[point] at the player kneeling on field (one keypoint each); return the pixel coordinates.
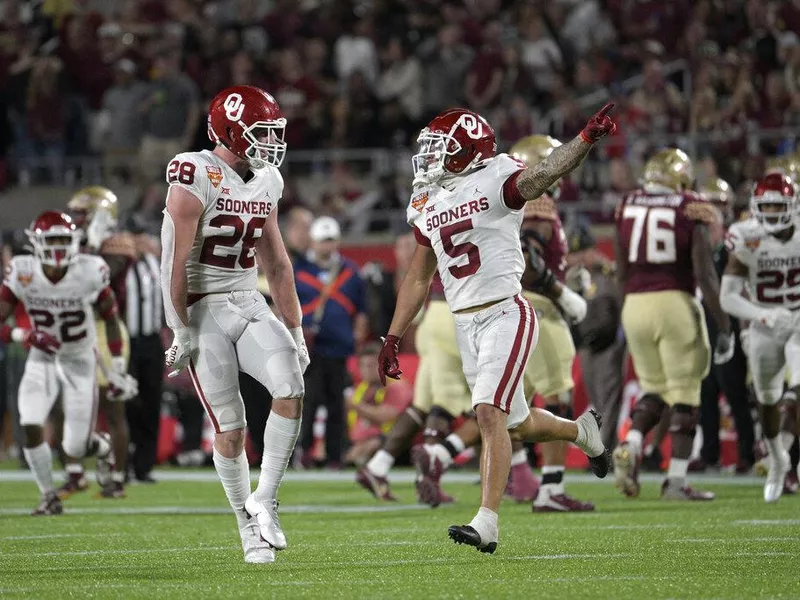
(59, 289)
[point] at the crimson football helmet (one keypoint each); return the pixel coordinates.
(55, 238)
(453, 143)
(248, 122)
(774, 190)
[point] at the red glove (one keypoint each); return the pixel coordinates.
(388, 365)
(41, 340)
(599, 126)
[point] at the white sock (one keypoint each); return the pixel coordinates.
(456, 442)
(118, 477)
(787, 439)
(634, 440)
(678, 467)
(280, 436)
(234, 474)
(40, 460)
(74, 468)
(774, 445)
(380, 464)
(520, 457)
(441, 453)
(485, 523)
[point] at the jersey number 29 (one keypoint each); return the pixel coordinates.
(657, 225)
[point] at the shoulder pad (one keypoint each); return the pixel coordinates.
(701, 211)
(541, 208)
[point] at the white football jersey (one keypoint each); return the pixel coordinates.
(223, 256)
(474, 234)
(773, 265)
(64, 309)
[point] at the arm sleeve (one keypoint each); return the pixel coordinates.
(420, 237)
(732, 301)
(167, 254)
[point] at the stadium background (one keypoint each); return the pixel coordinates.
(356, 80)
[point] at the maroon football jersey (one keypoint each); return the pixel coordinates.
(556, 248)
(655, 239)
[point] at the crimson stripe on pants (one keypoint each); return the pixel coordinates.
(526, 307)
(196, 382)
(512, 359)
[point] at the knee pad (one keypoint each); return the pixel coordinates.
(74, 448)
(651, 404)
(290, 389)
(683, 420)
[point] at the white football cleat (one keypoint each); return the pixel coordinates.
(256, 550)
(267, 516)
(778, 467)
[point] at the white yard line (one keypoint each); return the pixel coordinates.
(768, 522)
(127, 551)
(399, 476)
(58, 535)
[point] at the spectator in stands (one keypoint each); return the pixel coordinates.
(331, 293)
(659, 99)
(485, 77)
(298, 96)
(296, 232)
(147, 213)
(400, 79)
(121, 123)
(540, 53)
(355, 52)
(372, 408)
(171, 113)
(445, 60)
(356, 118)
(47, 114)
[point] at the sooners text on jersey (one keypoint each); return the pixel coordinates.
(474, 234)
(773, 265)
(223, 256)
(63, 309)
(655, 237)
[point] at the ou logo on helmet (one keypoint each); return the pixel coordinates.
(472, 125)
(234, 107)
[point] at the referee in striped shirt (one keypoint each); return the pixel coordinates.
(145, 319)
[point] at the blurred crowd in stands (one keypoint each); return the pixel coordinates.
(128, 82)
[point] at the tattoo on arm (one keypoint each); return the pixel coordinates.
(535, 181)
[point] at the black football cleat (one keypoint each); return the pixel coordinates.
(466, 534)
(600, 465)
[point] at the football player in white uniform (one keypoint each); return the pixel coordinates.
(467, 212)
(60, 290)
(221, 215)
(764, 258)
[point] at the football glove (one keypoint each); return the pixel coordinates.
(42, 341)
(573, 305)
(724, 347)
(122, 386)
(388, 365)
(302, 348)
(599, 126)
(179, 354)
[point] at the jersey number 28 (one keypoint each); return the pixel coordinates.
(657, 225)
(247, 235)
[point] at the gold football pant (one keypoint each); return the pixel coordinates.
(440, 378)
(549, 369)
(668, 341)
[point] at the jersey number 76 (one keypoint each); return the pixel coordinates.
(657, 226)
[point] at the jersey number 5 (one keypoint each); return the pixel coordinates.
(247, 235)
(657, 225)
(467, 249)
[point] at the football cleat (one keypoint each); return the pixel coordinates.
(523, 485)
(105, 463)
(112, 490)
(779, 466)
(266, 514)
(466, 534)
(75, 483)
(50, 505)
(256, 550)
(599, 459)
(377, 486)
(429, 473)
(560, 503)
(626, 471)
(684, 492)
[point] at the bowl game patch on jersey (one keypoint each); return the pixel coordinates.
(214, 175)
(419, 201)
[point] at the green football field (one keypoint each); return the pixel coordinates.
(177, 539)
